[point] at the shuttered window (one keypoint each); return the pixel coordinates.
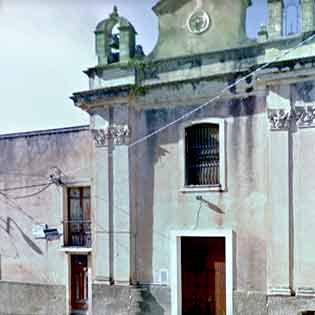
(202, 155)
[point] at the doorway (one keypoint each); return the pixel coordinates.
(203, 276)
(79, 295)
(202, 264)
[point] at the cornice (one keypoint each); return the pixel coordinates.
(102, 97)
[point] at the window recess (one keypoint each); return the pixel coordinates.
(77, 225)
(202, 155)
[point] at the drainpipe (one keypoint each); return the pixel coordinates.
(291, 130)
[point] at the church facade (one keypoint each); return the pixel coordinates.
(191, 192)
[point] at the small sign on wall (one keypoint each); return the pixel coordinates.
(163, 276)
(38, 231)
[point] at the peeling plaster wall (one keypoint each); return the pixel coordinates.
(162, 206)
(26, 160)
(303, 94)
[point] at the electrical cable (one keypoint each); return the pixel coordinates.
(23, 187)
(11, 203)
(198, 216)
(33, 194)
(54, 178)
(183, 117)
(22, 174)
(186, 115)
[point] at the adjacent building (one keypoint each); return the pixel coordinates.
(191, 192)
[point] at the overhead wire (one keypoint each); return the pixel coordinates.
(33, 194)
(23, 187)
(11, 203)
(11, 200)
(227, 88)
(150, 135)
(7, 173)
(54, 178)
(189, 113)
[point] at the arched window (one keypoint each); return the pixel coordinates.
(202, 155)
(292, 17)
(114, 45)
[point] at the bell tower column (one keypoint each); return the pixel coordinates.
(308, 19)
(275, 13)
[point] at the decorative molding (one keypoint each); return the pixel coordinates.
(283, 291)
(118, 134)
(199, 22)
(279, 119)
(310, 292)
(305, 117)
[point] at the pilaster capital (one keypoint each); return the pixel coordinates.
(305, 117)
(117, 134)
(279, 119)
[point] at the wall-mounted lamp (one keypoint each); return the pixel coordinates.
(52, 234)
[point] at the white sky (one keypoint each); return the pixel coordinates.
(45, 45)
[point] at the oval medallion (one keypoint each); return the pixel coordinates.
(198, 22)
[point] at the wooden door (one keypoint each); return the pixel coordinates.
(79, 284)
(203, 276)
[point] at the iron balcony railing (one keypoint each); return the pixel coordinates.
(78, 233)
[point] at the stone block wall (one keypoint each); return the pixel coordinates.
(123, 300)
(32, 299)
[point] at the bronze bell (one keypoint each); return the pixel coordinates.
(114, 42)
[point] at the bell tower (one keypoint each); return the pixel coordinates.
(115, 39)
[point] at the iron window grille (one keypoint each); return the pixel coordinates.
(202, 155)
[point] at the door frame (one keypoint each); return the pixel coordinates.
(89, 266)
(176, 268)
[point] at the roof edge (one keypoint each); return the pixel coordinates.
(169, 6)
(44, 132)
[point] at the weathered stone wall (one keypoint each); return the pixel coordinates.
(246, 303)
(32, 299)
(154, 300)
(290, 305)
(113, 300)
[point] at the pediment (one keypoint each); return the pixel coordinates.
(168, 6)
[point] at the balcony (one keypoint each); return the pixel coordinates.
(77, 233)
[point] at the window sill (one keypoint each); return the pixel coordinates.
(75, 250)
(197, 189)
